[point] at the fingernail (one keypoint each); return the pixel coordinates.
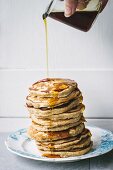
(68, 12)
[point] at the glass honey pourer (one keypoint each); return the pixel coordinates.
(82, 19)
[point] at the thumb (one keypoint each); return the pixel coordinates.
(70, 7)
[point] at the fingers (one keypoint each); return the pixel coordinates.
(70, 7)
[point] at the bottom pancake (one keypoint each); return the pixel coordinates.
(63, 154)
(77, 141)
(83, 143)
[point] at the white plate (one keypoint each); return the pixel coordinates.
(18, 143)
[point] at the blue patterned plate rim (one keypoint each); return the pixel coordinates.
(105, 146)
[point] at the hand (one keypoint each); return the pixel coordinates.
(71, 5)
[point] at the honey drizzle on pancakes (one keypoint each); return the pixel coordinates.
(52, 102)
(57, 88)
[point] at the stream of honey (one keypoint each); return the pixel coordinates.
(46, 36)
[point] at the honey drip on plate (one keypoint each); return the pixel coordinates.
(46, 36)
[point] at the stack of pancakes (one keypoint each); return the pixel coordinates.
(56, 109)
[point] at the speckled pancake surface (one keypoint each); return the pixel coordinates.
(81, 144)
(56, 110)
(56, 123)
(63, 154)
(58, 128)
(50, 102)
(66, 139)
(51, 86)
(77, 141)
(55, 135)
(72, 113)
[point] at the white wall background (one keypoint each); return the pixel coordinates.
(85, 57)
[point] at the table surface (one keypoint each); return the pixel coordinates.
(9, 161)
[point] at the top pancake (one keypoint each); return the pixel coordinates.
(50, 102)
(51, 87)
